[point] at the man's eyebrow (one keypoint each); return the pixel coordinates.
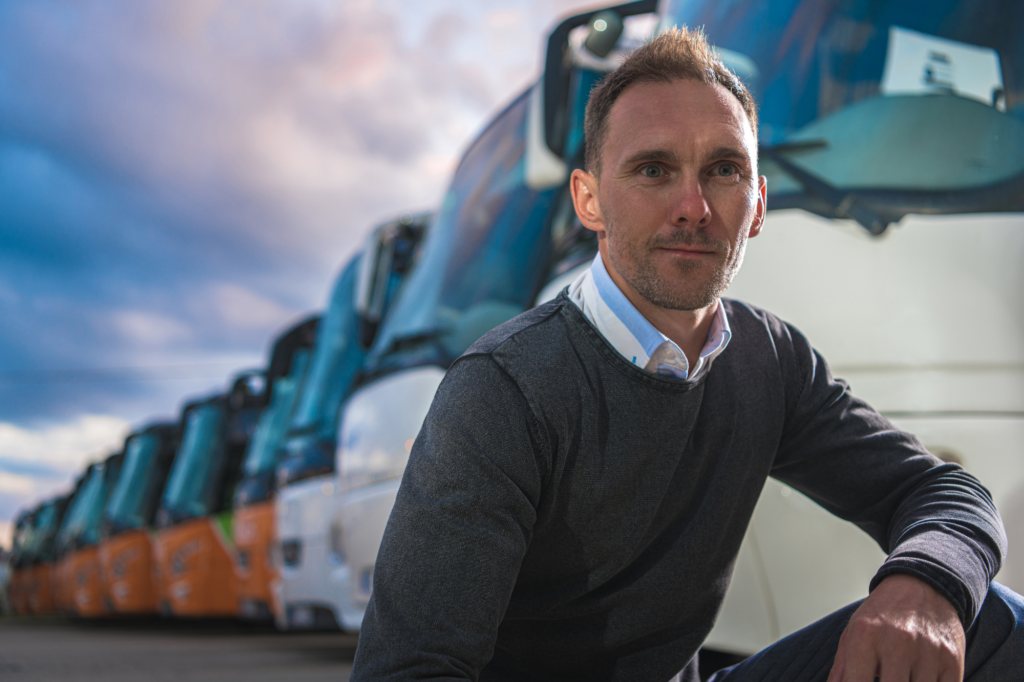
(650, 155)
(727, 153)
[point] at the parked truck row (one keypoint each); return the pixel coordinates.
(892, 137)
(181, 521)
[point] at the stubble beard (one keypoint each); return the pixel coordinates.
(690, 288)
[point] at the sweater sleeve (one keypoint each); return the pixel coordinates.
(933, 519)
(460, 526)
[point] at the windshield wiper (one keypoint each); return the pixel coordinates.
(844, 204)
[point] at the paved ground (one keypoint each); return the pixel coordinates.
(45, 649)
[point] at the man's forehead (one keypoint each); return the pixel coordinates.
(678, 107)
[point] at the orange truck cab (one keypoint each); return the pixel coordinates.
(78, 573)
(41, 555)
(5, 582)
(126, 551)
(16, 587)
(192, 549)
(254, 495)
(61, 588)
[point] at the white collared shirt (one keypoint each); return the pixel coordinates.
(633, 336)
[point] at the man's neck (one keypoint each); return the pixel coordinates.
(688, 329)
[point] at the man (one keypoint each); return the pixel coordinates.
(576, 499)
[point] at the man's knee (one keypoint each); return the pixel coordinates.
(995, 641)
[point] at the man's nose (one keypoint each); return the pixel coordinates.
(691, 207)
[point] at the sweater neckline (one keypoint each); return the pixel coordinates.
(576, 317)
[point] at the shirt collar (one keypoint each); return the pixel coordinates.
(631, 334)
(645, 332)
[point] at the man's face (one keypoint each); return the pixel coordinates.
(678, 193)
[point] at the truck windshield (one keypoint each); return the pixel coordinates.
(44, 532)
(273, 422)
(482, 259)
(29, 539)
(902, 106)
(21, 538)
(337, 356)
(82, 525)
(128, 506)
(190, 486)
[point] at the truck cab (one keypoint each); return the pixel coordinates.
(314, 576)
(254, 496)
(192, 549)
(129, 519)
(891, 139)
(79, 573)
(19, 564)
(41, 553)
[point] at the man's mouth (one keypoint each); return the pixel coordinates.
(688, 250)
(688, 244)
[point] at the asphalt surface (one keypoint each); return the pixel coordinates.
(45, 649)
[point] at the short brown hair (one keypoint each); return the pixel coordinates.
(676, 54)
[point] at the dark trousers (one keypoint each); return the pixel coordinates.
(995, 647)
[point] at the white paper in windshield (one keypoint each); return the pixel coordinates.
(920, 64)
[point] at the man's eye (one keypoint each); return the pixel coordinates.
(652, 172)
(726, 170)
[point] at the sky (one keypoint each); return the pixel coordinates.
(180, 181)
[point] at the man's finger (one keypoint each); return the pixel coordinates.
(897, 669)
(838, 666)
(952, 675)
(860, 668)
(856, 657)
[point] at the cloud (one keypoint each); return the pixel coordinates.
(13, 484)
(148, 328)
(241, 308)
(68, 446)
(37, 463)
(179, 180)
(503, 19)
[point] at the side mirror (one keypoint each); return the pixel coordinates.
(557, 69)
(388, 251)
(248, 387)
(605, 30)
(371, 281)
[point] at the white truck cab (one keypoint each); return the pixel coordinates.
(313, 584)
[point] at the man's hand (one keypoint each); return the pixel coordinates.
(903, 631)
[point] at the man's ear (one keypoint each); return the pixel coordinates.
(762, 206)
(584, 199)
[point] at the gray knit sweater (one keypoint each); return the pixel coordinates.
(566, 515)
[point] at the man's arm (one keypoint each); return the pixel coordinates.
(938, 524)
(456, 537)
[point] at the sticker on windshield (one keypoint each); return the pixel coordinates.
(920, 64)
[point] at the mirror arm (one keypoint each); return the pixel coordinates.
(557, 71)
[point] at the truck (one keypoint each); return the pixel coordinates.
(192, 548)
(254, 496)
(40, 553)
(890, 136)
(79, 573)
(19, 563)
(313, 574)
(129, 519)
(61, 588)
